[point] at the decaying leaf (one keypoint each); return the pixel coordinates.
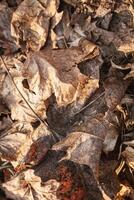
(66, 94)
(26, 145)
(68, 184)
(82, 148)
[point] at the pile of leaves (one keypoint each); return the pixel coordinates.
(66, 99)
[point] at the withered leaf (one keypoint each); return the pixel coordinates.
(128, 155)
(24, 145)
(114, 91)
(6, 40)
(28, 186)
(72, 181)
(76, 181)
(12, 140)
(30, 22)
(62, 107)
(82, 148)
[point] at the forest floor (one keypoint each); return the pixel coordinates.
(66, 100)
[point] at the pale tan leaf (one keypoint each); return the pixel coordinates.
(30, 16)
(27, 186)
(127, 47)
(12, 140)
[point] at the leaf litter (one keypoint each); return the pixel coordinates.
(66, 99)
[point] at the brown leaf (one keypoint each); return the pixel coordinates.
(46, 73)
(23, 145)
(82, 148)
(128, 155)
(76, 182)
(27, 186)
(114, 91)
(72, 182)
(30, 16)
(12, 140)
(6, 40)
(43, 140)
(127, 47)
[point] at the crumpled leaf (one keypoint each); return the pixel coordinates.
(68, 184)
(30, 16)
(127, 47)
(128, 155)
(6, 40)
(125, 192)
(63, 108)
(12, 140)
(46, 73)
(114, 91)
(23, 145)
(27, 186)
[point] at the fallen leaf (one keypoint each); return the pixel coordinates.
(6, 40)
(114, 91)
(128, 155)
(27, 186)
(30, 16)
(12, 140)
(82, 148)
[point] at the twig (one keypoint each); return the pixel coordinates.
(9, 74)
(89, 104)
(24, 99)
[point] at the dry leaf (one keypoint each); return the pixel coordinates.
(114, 91)
(42, 141)
(127, 47)
(76, 89)
(69, 185)
(27, 186)
(128, 155)
(76, 181)
(12, 140)
(24, 145)
(30, 22)
(6, 40)
(82, 148)
(125, 192)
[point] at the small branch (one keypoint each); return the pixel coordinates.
(24, 99)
